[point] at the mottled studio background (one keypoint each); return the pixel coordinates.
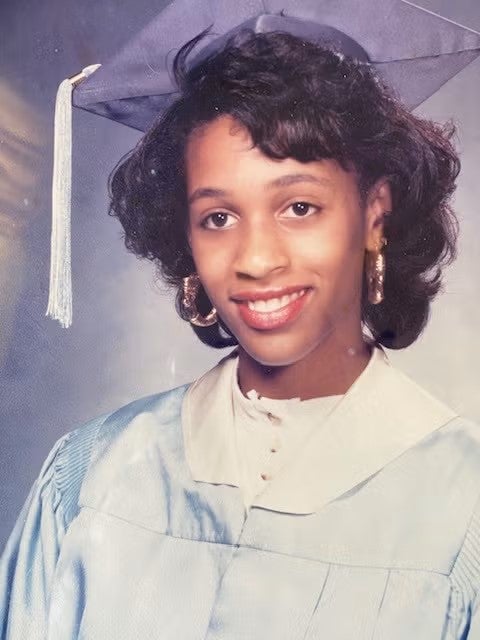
(126, 340)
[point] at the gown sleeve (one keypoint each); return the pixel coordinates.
(474, 630)
(30, 556)
(466, 580)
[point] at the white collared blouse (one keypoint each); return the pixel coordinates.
(267, 432)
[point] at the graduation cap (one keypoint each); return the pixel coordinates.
(413, 50)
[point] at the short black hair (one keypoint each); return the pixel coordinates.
(300, 100)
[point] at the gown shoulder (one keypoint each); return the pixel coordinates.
(28, 561)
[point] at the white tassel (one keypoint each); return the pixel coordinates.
(60, 294)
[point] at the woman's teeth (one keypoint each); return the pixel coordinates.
(265, 306)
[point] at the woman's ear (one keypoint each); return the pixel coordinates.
(378, 204)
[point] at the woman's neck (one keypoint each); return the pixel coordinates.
(330, 369)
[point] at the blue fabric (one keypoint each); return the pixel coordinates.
(117, 541)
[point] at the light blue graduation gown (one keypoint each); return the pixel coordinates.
(121, 539)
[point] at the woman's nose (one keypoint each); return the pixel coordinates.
(260, 251)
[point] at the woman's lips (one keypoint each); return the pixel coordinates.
(275, 318)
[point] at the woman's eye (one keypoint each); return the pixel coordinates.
(301, 209)
(217, 220)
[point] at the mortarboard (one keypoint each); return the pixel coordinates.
(412, 49)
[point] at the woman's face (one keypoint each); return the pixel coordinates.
(278, 244)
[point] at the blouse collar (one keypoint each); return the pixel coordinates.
(382, 414)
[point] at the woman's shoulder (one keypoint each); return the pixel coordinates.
(451, 440)
(458, 438)
(462, 434)
(77, 450)
(444, 469)
(54, 501)
(458, 445)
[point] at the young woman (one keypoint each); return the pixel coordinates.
(303, 488)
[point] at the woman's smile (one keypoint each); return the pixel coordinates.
(266, 313)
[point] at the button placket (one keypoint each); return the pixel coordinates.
(272, 425)
(271, 460)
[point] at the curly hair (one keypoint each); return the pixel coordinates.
(336, 108)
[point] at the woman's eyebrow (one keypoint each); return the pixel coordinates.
(292, 178)
(206, 192)
(282, 181)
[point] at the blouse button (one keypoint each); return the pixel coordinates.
(265, 476)
(272, 418)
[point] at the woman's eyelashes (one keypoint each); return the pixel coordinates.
(224, 220)
(301, 209)
(217, 220)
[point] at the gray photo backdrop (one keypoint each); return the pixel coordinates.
(126, 340)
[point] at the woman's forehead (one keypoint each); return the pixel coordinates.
(223, 150)
(219, 162)
(222, 130)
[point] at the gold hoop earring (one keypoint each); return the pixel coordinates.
(375, 273)
(191, 285)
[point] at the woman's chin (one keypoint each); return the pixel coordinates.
(277, 352)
